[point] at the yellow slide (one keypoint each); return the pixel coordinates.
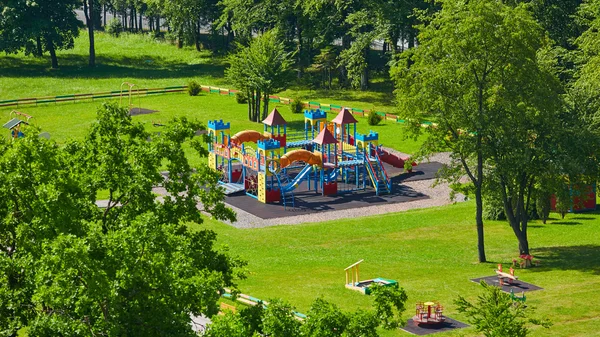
(300, 155)
(247, 136)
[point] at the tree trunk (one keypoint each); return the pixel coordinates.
(88, 9)
(52, 51)
(38, 44)
(364, 77)
(265, 107)
(141, 23)
(479, 223)
(197, 35)
(300, 50)
(257, 108)
(250, 105)
(180, 40)
(104, 16)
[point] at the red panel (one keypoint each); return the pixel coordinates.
(330, 188)
(273, 196)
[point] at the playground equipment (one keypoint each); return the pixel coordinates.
(129, 93)
(433, 315)
(505, 277)
(15, 124)
(252, 301)
(353, 280)
(331, 157)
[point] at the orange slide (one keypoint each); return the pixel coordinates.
(247, 136)
(300, 155)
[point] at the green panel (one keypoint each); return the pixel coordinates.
(66, 96)
(9, 101)
(335, 106)
(177, 87)
(46, 101)
(314, 103)
(272, 100)
(380, 113)
(400, 121)
(215, 91)
(102, 96)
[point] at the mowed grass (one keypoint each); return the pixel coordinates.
(71, 120)
(134, 58)
(432, 253)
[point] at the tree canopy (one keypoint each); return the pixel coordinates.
(134, 267)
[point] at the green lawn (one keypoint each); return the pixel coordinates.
(432, 253)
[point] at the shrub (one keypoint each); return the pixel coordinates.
(296, 105)
(374, 118)
(241, 97)
(114, 27)
(194, 88)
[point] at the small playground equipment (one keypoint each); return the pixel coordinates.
(128, 89)
(353, 280)
(516, 298)
(15, 124)
(434, 314)
(505, 277)
(331, 157)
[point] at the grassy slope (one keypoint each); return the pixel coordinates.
(432, 253)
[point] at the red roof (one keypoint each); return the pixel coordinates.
(325, 137)
(344, 117)
(274, 119)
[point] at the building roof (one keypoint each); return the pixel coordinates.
(274, 119)
(344, 117)
(325, 137)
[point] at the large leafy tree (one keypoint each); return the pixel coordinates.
(134, 267)
(476, 72)
(260, 70)
(38, 26)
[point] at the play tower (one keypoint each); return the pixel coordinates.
(328, 158)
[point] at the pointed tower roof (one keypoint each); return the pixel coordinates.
(274, 119)
(325, 137)
(344, 117)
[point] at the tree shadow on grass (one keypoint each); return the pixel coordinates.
(566, 223)
(140, 66)
(581, 258)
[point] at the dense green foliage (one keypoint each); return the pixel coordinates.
(260, 70)
(72, 268)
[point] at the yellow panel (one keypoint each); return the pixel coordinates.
(262, 188)
(212, 161)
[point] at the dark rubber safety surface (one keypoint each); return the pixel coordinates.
(422, 329)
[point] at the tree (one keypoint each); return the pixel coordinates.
(279, 320)
(495, 314)
(389, 303)
(260, 70)
(88, 10)
(324, 320)
(133, 268)
(38, 26)
(468, 73)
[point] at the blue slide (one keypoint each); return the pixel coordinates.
(331, 176)
(297, 180)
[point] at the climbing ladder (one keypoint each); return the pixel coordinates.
(287, 197)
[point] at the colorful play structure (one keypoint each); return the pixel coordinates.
(353, 281)
(16, 123)
(330, 157)
(434, 314)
